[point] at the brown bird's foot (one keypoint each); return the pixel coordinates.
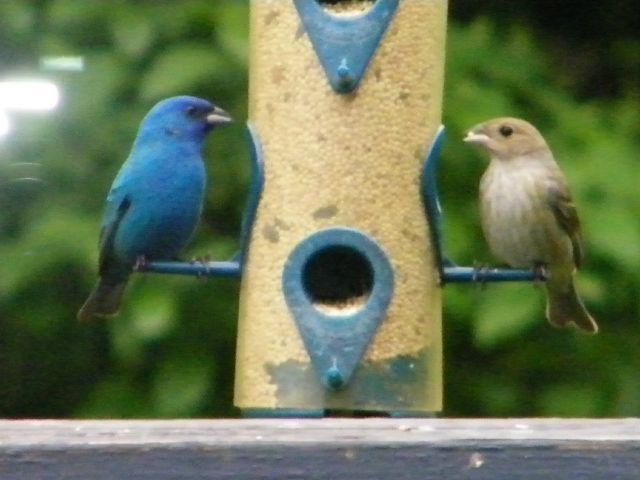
(141, 264)
(541, 273)
(480, 274)
(204, 261)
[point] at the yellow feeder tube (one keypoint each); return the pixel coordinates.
(343, 160)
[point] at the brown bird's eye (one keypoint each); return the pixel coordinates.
(506, 131)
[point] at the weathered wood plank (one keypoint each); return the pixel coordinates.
(546, 449)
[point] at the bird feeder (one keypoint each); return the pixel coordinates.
(341, 265)
(340, 299)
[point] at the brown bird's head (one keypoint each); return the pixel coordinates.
(507, 138)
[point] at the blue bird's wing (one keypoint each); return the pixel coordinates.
(118, 203)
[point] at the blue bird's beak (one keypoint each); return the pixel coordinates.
(218, 116)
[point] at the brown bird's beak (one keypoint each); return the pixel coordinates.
(218, 116)
(476, 136)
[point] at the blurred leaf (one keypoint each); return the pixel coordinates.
(181, 383)
(616, 233)
(232, 29)
(80, 20)
(49, 239)
(500, 320)
(153, 315)
(571, 400)
(177, 70)
(17, 20)
(133, 30)
(114, 397)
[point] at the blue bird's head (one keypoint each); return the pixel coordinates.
(183, 118)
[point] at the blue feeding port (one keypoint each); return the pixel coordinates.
(338, 284)
(345, 46)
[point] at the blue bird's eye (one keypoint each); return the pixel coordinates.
(192, 111)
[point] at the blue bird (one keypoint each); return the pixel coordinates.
(156, 199)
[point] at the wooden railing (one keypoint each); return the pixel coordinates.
(349, 449)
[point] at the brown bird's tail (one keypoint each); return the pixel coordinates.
(564, 308)
(104, 300)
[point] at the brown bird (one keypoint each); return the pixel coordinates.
(528, 217)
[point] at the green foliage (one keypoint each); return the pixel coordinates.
(171, 351)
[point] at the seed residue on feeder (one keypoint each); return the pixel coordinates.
(325, 212)
(345, 8)
(347, 307)
(270, 232)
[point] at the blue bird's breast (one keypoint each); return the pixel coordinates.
(166, 204)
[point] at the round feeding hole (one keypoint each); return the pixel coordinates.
(338, 280)
(346, 7)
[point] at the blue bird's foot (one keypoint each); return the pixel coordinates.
(480, 271)
(141, 265)
(204, 262)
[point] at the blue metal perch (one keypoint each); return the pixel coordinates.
(456, 274)
(229, 269)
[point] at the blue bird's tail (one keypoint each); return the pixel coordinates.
(103, 301)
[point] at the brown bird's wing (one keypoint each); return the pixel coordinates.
(566, 215)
